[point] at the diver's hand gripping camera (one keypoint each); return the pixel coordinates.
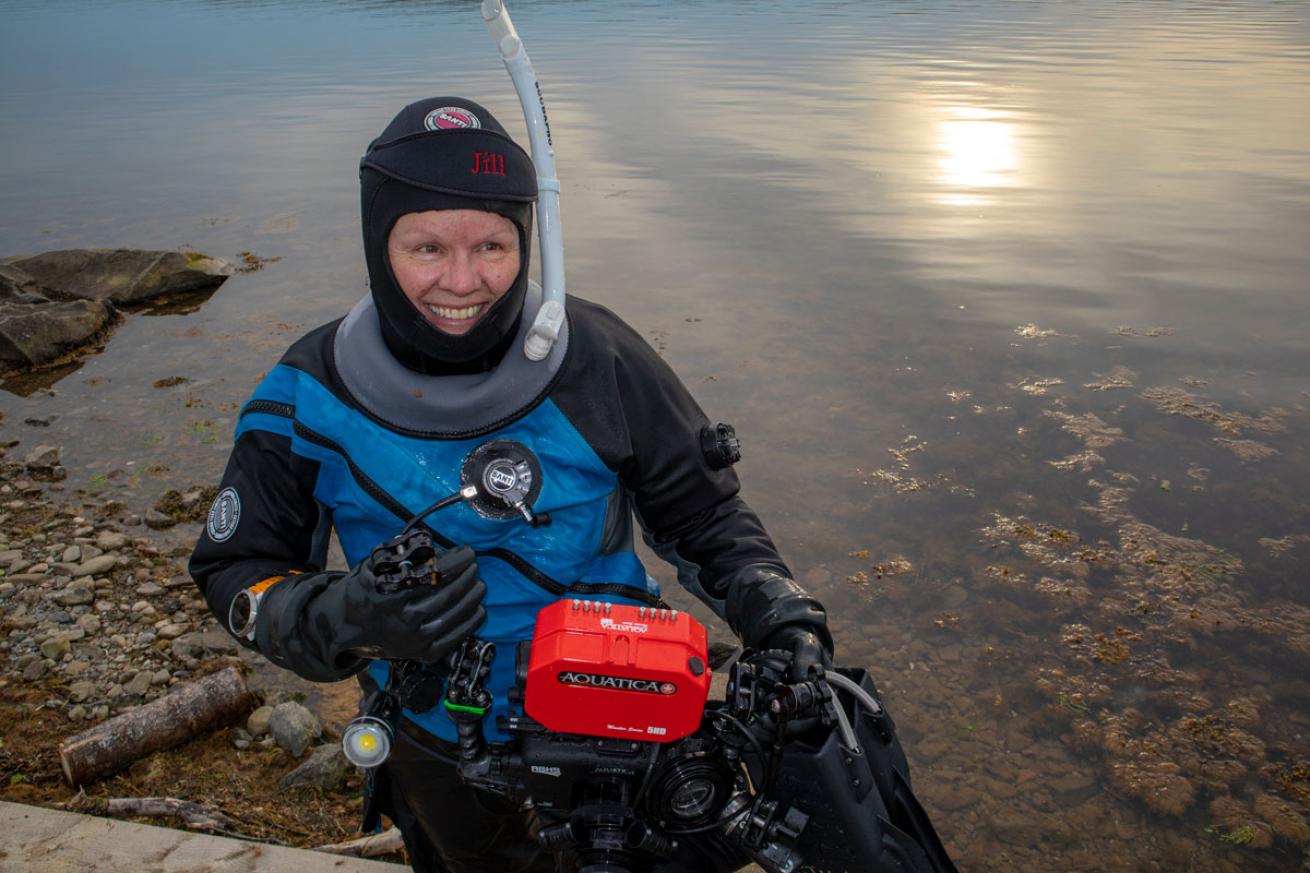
(615, 742)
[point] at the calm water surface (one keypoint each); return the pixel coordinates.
(1008, 301)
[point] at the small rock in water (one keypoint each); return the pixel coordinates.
(80, 691)
(72, 555)
(293, 727)
(34, 671)
(149, 589)
(42, 458)
(110, 540)
(156, 520)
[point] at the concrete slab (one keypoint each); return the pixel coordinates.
(39, 840)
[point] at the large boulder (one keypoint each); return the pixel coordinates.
(123, 276)
(32, 334)
(55, 303)
(17, 286)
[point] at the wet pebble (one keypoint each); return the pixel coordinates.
(156, 520)
(111, 540)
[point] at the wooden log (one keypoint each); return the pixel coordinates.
(367, 847)
(195, 816)
(188, 710)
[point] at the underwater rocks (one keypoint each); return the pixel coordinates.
(54, 304)
(1176, 401)
(1135, 600)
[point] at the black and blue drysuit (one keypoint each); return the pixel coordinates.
(371, 418)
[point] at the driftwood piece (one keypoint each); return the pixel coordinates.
(195, 816)
(189, 709)
(367, 847)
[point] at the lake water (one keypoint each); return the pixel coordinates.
(1008, 302)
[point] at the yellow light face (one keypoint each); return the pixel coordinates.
(366, 742)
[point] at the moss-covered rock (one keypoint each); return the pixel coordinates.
(123, 276)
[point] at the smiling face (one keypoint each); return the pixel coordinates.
(453, 264)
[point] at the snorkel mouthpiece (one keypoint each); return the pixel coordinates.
(550, 318)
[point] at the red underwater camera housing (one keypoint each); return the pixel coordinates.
(613, 670)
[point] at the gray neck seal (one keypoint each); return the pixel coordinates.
(445, 406)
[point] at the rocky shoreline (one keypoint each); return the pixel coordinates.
(97, 616)
(93, 609)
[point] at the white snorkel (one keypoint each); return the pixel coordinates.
(545, 329)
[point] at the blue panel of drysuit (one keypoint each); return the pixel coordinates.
(576, 486)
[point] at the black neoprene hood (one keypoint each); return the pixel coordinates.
(444, 153)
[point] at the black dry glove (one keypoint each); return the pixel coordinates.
(324, 626)
(809, 657)
(771, 611)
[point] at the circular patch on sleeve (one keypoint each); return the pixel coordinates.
(224, 515)
(450, 118)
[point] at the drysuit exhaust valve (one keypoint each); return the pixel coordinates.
(719, 445)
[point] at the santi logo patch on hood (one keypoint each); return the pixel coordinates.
(620, 683)
(451, 118)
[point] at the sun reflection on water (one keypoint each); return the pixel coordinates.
(977, 151)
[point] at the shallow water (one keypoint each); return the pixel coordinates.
(894, 244)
